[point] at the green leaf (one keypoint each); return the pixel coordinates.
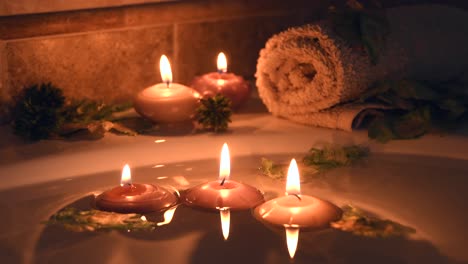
(317, 160)
(333, 157)
(94, 220)
(121, 129)
(41, 112)
(137, 124)
(395, 101)
(87, 111)
(380, 130)
(270, 169)
(413, 124)
(454, 107)
(380, 87)
(360, 223)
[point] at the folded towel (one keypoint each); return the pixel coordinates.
(310, 75)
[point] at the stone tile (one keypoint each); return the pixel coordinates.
(25, 26)
(198, 44)
(109, 66)
(16, 7)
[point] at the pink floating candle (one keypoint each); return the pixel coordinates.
(167, 102)
(295, 211)
(228, 84)
(224, 194)
(135, 197)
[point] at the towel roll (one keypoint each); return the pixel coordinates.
(310, 75)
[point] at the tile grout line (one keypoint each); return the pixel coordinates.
(175, 49)
(150, 25)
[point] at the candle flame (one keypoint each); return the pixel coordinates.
(292, 237)
(225, 215)
(126, 178)
(168, 215)
(165, 69)
(225, 164)
(222, 63)
(293, 185)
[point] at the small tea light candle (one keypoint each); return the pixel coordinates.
(135, 197)
(224, 194)
(295, 211)
(228, 84)
(167, 102)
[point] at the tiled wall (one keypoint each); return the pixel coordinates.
(15, 7)
(109, 65)
(111, 54)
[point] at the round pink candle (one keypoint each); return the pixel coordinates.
(223, 193)
(295, 211)
(228, 84)
(135, 197)
(167, 102)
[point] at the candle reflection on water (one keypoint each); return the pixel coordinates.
(292, 237)
(223, 192)
(225, 215)
(294, 210)
(293, 187)
(224, 173)
(168, 215)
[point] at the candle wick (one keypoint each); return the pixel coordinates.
(168, 84)
(222, 182)
(298, 196)
(129, 185)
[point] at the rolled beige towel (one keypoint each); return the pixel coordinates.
(310, 75)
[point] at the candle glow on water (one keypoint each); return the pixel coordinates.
(295, 211)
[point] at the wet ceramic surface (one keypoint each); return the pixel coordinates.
(426, 193)
(419, 183)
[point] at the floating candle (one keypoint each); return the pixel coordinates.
(295, 211)
(167, 102)
(228, 84)
(223, 193)
(135, 197)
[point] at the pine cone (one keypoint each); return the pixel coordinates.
(214, 113)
